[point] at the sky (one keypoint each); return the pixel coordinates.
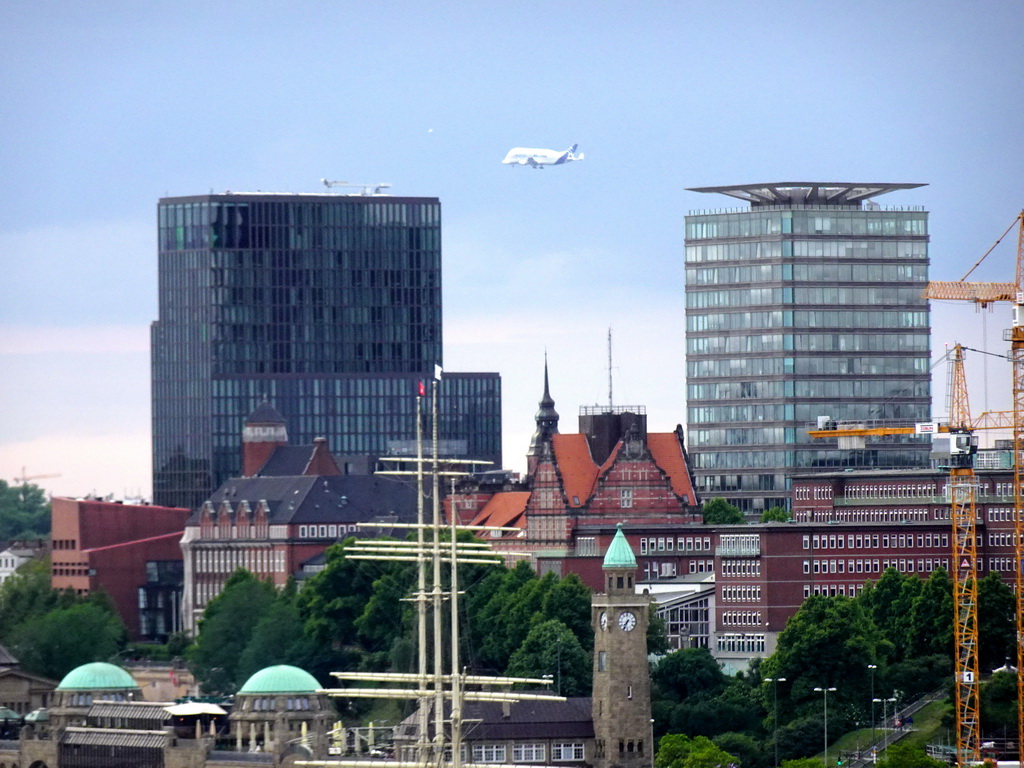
(107, 106)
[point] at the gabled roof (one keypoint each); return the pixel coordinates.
(289, 460)
(319, 498)
(579, 473)
(572, 718)
(265, 413)
(504, 509)
(668, 455)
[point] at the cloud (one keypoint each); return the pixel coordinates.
(116, 463)
(96, 339)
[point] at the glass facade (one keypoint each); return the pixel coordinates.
(327, 305)
(795, 311)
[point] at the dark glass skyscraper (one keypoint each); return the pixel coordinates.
(806, 304)
(327, 305)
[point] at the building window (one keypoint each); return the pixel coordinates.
(567, 751)
(626, 497)
(489, 753)
(528, 753)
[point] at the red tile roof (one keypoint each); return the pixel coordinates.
(579, 473)
(668, 455)
(504, 509)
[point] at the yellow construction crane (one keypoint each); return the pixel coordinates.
(983, 295)
(963, 444)
(26, 478)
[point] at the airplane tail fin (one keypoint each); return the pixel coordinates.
(572, 149)
(572, 153)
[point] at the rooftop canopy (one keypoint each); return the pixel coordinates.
(97, 676)
(280, 679)
(619, 554)
(836, 193)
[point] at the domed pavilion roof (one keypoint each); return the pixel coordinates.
(282, 678)
(97, 676)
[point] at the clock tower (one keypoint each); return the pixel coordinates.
(622, 681)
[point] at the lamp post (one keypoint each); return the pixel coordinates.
(885, 709)
(775, 713)
(874, 739)
(824, 692)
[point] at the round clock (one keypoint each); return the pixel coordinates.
(627, 620)
(604, 621)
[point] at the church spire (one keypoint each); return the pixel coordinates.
(547, 420)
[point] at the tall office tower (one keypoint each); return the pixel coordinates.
(806, 304)
(329, 307)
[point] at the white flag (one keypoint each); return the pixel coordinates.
(437, 371)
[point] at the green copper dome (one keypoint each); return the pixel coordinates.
(281, 679)
(97, 676)
(619, 554)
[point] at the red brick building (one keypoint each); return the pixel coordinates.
(611, 471)
(131, 551)
(292, 504)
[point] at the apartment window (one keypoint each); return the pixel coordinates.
(626, 497)
(567, 751)
(528, 753)
(489, 753)
(643, 546)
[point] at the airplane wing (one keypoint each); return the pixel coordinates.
(531, 161)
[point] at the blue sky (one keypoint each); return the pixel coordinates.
(107, 106)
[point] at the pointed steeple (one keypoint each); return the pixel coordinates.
(547, 420)
(619, 554)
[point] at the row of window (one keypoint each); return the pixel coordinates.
(740, 643)
(842, 388)
(746, 593)
(903, 565)
(741, 567)
(269, 704)
(830, 250)
(741, 618)
(809, 342)
(810, 220)
(325, 531)
(256, 559)
(561, 752)
(668, 543)
(832, 590)
(1001, 539)
(831, 296)
(808, 273)
(873, 541)
(742, 321)
(870, 515)
(896, 365)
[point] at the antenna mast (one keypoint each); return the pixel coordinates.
(611, 402)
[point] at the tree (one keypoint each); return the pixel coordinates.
(53, 643)
(776, 515)
(27, 594)
(907, 756)
(679, 751)
(24, 512)
(568, 601)
(998, 699)
(227, 627)
(691, 672)
(827, 641)
(930, 629)
(273, 640)
(551, 649)
(995, 621)
(721, 512)
(749, 752)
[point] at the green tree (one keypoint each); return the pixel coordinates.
(24, 512)
(273, 640)
(998, 699)
(680, 751)
(930, 629)
(776, 515)
(721, 512)
(51, 644)
(691, 672)
(884, 604)
(226, 629)
(828, 641)
(995, 621)
(907, 756)
(749, 753)
(802, 762)
(551, 648)
(27, 594)
(657, 632)
(568, 601)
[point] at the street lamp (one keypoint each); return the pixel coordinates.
(885, 709)
(824, 692)
(775, 713)
(874, 739)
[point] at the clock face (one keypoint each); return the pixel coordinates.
(604, 621)
(627, 620)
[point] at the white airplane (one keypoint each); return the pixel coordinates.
(538, 158)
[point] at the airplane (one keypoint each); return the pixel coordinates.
(538, 158)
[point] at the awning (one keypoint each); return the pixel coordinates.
(195, 708)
